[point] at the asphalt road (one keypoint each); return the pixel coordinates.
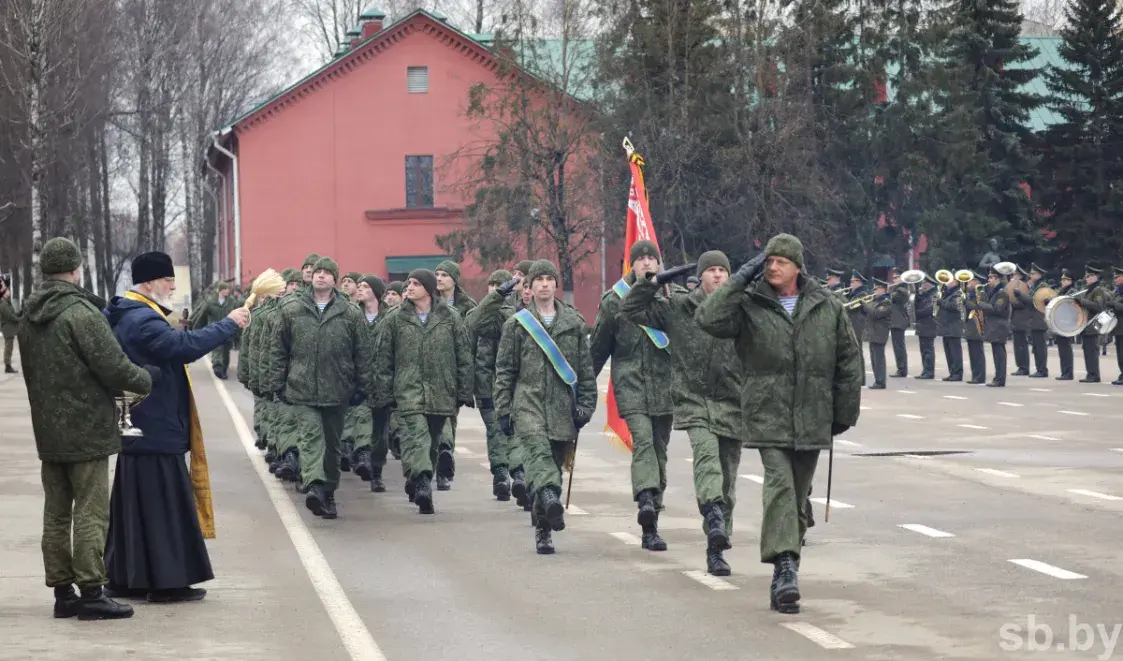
(925, 556)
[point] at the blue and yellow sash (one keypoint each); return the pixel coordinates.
(548, 346)
(658, 337)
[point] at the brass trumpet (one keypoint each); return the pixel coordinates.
(860, 301)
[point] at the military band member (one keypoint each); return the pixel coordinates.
(878, 314)
(834, 279)
(1095, 301)
(949, 322)
(898, 324)
(926, 327)
(706, 393)
(1037, 326)
(449, 291)
(372, 425)
(972, 332)
(641, 378)
(545, 392)
(1064, 344)
(1021, 307)
(800, 388)
(858, 315)
(1117, 307)
(995, 308)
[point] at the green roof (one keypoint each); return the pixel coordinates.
(1048, 55)
(408, 263)
(370, 14)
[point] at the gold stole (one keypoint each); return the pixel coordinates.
(200, 473)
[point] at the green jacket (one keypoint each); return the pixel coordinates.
(485, 328)
(462, 302)
(423, 368)
(707, 375)
(318, 358)
(640, 371)
(528, 388)
(9, 320)
(73, 365)
(211, 310)
(249, 354)
(266, 336)
(802, 372)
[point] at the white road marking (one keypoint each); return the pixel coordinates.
(460, 449)
(1072, 412)
(863, 408)
(966, 426)
(754, 478)
(1043, 438)
(816, 635)
(1011, 404)
(834, 503)
(712, 582)
(1055, 572)
(995, 471)
(1041, 390)
(627, 537)
(690, 459)
(910, 416)
(1097, 394)
(907, 392)
(953, 397)
(914, 456)
(839, 440)
(925, 530)
(352, 631)
(576, 511)
(1117, 449)
(1095, 494)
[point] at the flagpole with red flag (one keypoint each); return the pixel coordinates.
(638, 227)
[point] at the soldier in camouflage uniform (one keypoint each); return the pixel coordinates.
(266, 415)
(216, 309)
(706, 392)
(307, 269)
(485, 327)
(802, 385)
(392, 299)
(321, 365)
(9, 326)
(423, 368)
(350, 283)
(357, 423)
(283, 454)
(449, 291)
(642, 375)
(534, 400)
(371, 441)
(72, 366)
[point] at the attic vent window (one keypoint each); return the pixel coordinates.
(417, 80)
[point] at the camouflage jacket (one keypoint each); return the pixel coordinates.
(73, 365)
(707, 375)
(318, 358)
(528, 388)
(462, 302)
(249, 354)
(211, 310)
(640, 371)
(485, 328)
(9, 320)
(423, 368)
(802, 372)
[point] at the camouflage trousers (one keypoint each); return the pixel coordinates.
(716, 459)
(496, 440)
(357, 431)
(220, 357)
(787, 485)
(650, 436)
(380, 436)
(75, 496)
(262, 411)
(9, 347)
(422, 436)
(282, 428)
(448, 443)
(544, 460)
(319, 430)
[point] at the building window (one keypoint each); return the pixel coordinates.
(417, 80)
(419, 182)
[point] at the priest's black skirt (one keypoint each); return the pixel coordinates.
(155, 542)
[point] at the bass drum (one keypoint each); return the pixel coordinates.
(1065, 317)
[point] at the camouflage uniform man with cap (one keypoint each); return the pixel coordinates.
(449, 291)
(284, 452)
(215, 309)
(350, 283)
(545, 400)
(307, 269)
(423, 369)
(320, 366)
(642, 375)
(357, 424)
(371, 425)
(392, 299)
(801, 387)
(9, 325)
(73, 366)
(1117, 307)
(706, 393)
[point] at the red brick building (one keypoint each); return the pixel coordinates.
(348, 161)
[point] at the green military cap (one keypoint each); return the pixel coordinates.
(310, 260)
(59, 255)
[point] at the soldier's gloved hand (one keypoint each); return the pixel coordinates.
(507, 287)
(581, 417)
(154, 372)
(663, 277)
(752, 268)
(358, 398)
(470, 403)
(506, 425)
(837, 428)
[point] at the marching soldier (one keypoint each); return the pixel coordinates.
(858, 315)
(214, 310)
(371, 425)
(995, 308)
(1117, 307)
(449, 291)
(1036, 323)
(706, 392)
(282, 452)
(949, 322)
(641, 379)
(878, 313)
(1095, 301)
(392, 299)
(1064, 344)
(1021, 306)
(972, 331)
(898, 324)
(926, 327)
(545, 391)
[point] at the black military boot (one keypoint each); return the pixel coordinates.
(345, 450)
(270, 455)
(316, 500)
(542, 540)
(500, 485)
(551, 505)
(95, 605)
(376, 483)
(66, 601)
(362, 464)
(715, 562)
(785, 583)
(518, 486)
(260, 443)
(411, 489)
(445, 469)
(8, 369)
(715, 526)
(651, 539)
(290, 466)
(329, 504)
(423, 494)
(647, 513)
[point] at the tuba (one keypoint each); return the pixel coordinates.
(125, 401)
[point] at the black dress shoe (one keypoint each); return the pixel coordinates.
(1039, 374)
(925, 377)
(996, 384)
(1090, 379)
(176, 595)
(976, 382)
(1064, 377)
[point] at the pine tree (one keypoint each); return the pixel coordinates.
(1083, 164)
(983, 147)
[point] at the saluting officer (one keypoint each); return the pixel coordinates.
(1117, 307)
(926, 327)
(1064, 344)
(1021, 307)
(949, 321)
(995, 308)
(1095, 300)
(878, 315)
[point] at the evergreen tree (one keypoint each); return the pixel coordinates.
(1083, 164)
(982, 140)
